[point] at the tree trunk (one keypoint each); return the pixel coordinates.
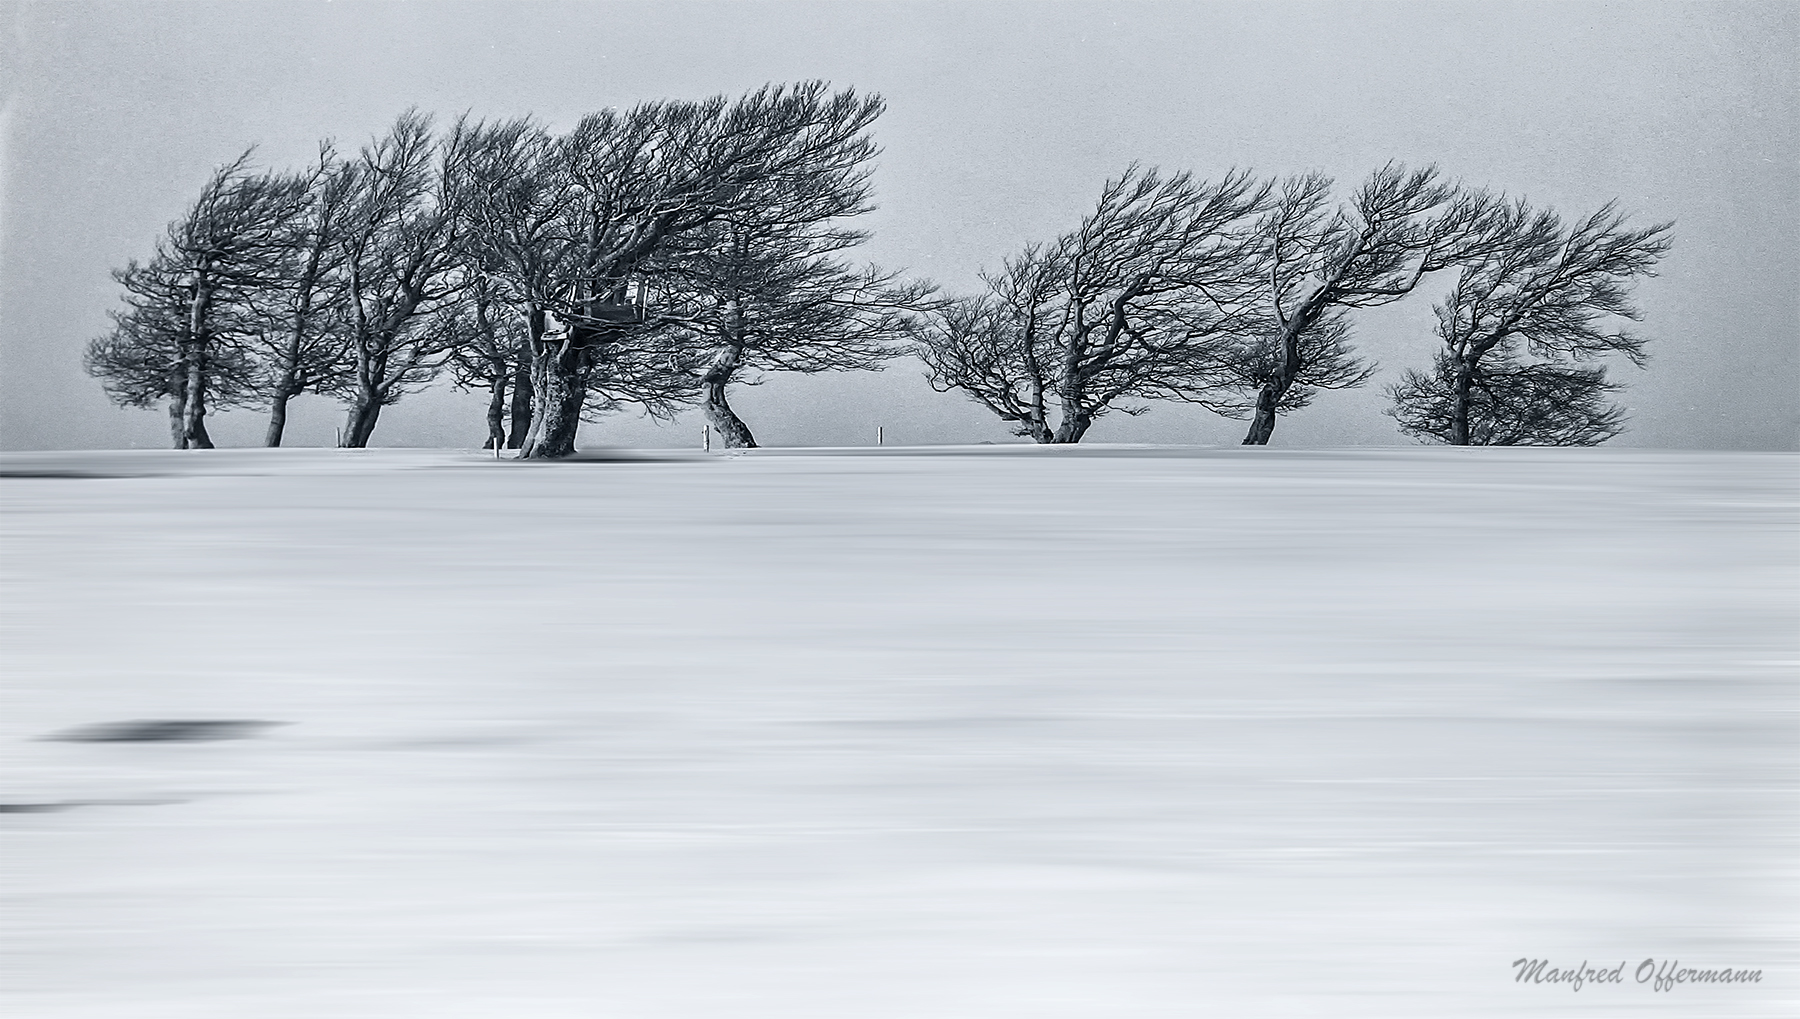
(732, 430)
(1034, 422)
(1262, 426)
(559, 377)
(521, 398)
(372, 350)
(359, 423)
(199, 439)
(556, 411)
(277, 417)
(194, 352)
(285, 389)
(1072, 428)
(1076, 418)
(1307, 315)
(178, 420)
(1459, 401)
(193, 422)
(496, 412)
(193, 417)
(538, 363)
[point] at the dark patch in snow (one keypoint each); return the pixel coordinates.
(165, 731)
(613, 456)
(46, 808)
(65, 474)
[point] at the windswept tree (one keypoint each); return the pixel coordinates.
(190, 305)
(766, 287)
(1519, 322)
(768, 293)
(1146, 299)
(142, 360)
(297, 333)
(998, 348)
(579, 240)
(402, 254)
(546, 218)
(1320, 262)
(512, 187)
(1512, 402)
(488, 351)
(138, 362)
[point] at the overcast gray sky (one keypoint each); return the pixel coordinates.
(1004, 119)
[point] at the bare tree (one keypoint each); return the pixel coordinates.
(401, 247)
(576, 227)
(191, 304)
(997, 347)
(1147, 299)
(142, 360)
(1510, 402)
(768, 293)
(487, 351)
(1320, 262)
(300, 339)
(765, 287)
(511, 206)
(1542, 296)
(139, 361)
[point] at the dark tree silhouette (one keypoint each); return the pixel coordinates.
(1321, 261)
(190, 307)
(576, 228)
(297, 332)
(141, 360)
(998, 348)
(1509, 403)
(511, 209)
(402, 254)
(1540, 298)
(767, 293)
(1146, 299)
(487, 350)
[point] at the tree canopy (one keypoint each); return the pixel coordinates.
(657, 255)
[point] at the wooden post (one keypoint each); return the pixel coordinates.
(878, 436)
(706, 438)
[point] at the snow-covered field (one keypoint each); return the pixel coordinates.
(981, 732)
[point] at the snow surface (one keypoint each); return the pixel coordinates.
(969, 732)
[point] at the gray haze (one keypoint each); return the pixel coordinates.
(1004, 120)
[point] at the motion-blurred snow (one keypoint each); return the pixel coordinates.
(993, 732)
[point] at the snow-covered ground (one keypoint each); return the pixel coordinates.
(980, 732)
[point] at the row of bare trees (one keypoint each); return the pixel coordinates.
(658, 256)
(652, 256)
(1239, 295)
